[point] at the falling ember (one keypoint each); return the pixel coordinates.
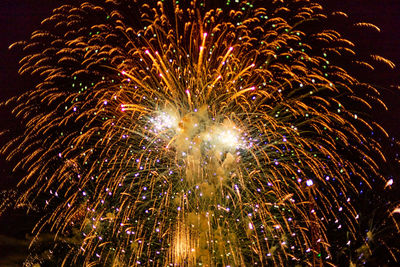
(183, 247)
(389, 183)
(251, 227)
(224, 140)
(396, 210)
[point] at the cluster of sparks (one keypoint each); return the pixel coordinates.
(196, 133)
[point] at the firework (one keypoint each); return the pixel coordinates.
(199, 133)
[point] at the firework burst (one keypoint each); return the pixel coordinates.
(194, 133)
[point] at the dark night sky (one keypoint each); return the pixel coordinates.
(18, 18)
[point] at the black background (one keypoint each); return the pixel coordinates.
(18, 18)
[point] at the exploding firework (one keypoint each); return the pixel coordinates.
(199, 133)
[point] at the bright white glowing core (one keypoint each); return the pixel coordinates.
(164, 121)
(228, 138)
(196, 129)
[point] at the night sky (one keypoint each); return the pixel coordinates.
(18, 18)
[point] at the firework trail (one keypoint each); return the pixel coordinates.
(211, 133)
